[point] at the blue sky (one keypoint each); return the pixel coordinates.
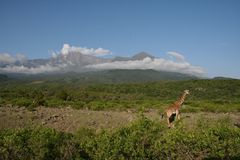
(205, 32)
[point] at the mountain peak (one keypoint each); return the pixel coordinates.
(142, 55)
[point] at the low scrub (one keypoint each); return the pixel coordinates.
(142, 139)
(205, 95)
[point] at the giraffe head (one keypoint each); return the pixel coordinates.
(186, 92)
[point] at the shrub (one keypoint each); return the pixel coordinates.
(96, 105)
(142, 139)
(132, 142)
(38, 99)
(79, 105)
(54, 102)
(36, 143)
(146, 139)
(63, 95)
(215, 140)
(22, 102)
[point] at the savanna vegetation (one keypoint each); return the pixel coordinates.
(141, 139)
(206, 95)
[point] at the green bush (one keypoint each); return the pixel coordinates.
(36, 143)
(63, 95)
(215, 140)
(22, 102)
(146, 139)
(54, 102)
(133, 142)
(96, 105)
(205, 95)
(79, 105)
(38, 98)
(142, 139)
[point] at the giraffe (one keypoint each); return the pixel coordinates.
(173, 109)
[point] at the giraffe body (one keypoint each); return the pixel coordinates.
(173, 111)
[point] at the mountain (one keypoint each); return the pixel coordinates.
(141, 56)
(3, 77)
(75, 61)
(118, 58)
(138, 56)
(106, 76)
(223, 78)
(137, 75)
(76, 58)
(34, 62)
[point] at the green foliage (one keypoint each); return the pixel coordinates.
(142, 139)
(38, 98)
(132, 142)
(145, 139)
(22, 102)
(205, 95)
(63, 95)
(36, 143)
(78, 105)
(217, 142)
(54, 102)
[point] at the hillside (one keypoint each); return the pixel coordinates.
(3, 77)
(108, 76)
(130, 76)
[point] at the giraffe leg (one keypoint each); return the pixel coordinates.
(178, 115)
(169, 124)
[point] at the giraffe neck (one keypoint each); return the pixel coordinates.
(181, 100)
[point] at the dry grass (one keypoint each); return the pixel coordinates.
(69, 120)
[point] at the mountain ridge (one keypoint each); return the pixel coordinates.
(74, 61)
(107, 76)
(142, 55)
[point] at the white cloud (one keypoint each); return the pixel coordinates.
(10, 67)
(177, 56)
(83, 50)
(32, 70)
(176, 64)
(159, 64)
(8, 59)
(54, 55)
(20, 57)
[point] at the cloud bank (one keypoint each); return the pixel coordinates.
(83, 50)
(31, 70)
(71, 58)
(6, 58)
(159, 64)
(177, 56)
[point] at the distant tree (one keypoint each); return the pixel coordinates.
(38, 99)
(63, 95)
